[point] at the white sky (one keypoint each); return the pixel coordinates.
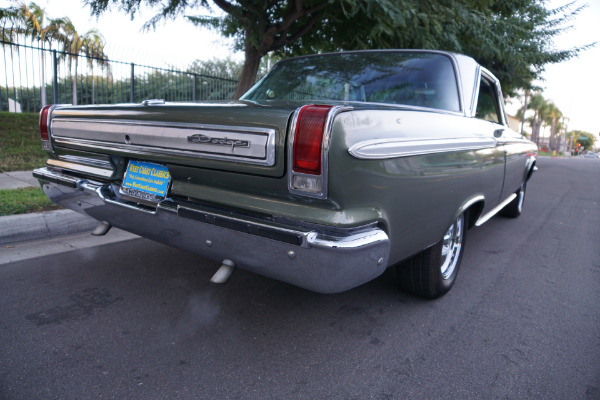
(574, 86)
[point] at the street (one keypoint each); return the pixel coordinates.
(139, 320)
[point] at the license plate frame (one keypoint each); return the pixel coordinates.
(146, 181)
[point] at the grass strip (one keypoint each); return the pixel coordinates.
(25, 200)
(20, 148)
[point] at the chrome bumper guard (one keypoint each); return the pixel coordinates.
(322, 260)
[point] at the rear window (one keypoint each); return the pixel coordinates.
(415, 79)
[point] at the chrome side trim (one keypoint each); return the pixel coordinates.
(85, 169)
(468, 204)
(153, 137)
(378, 149)
(508, 141)
(484, 218)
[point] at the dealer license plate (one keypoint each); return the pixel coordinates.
(146, 181)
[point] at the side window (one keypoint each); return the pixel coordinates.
(487, 102)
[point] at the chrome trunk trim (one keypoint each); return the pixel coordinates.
(94, 162)
(141, 138)
(102, 172)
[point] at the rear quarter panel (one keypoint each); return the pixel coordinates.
(415, 198)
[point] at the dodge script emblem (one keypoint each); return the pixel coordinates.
(233, 143)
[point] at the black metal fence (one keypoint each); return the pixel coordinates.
(35, 74)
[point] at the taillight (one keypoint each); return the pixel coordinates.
(44, 129)
(308, 139)
(308, 164)
(44, 122)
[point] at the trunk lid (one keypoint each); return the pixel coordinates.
(235, 137)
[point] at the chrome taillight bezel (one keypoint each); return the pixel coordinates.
(293, 176)
(46, 114)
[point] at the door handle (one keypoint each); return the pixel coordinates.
(498, 133)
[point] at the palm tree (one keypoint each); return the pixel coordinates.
(90, 44)
(554, 116)
(540, 107)
(31, 20)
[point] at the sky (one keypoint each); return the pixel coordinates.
(574, 85)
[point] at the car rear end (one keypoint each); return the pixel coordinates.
(243, 182)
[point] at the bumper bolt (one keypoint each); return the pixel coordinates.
(209, 243)
(291, 254)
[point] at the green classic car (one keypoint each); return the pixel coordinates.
(330, 170)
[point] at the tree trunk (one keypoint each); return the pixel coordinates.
(534, 133)
(249, 71)
(75, 85)
(553, 136)
(538, 128)
(524, 112)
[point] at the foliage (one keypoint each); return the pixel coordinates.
(585, 139)
(20, 147)
(170, 85)
(30, 20)
(512, 38)
(228, 67)
(217, 67)
(33, 21)
(24, 200)
(544, 113)
(539, 106)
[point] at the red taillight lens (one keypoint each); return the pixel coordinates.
(44, 122)
(308, 139)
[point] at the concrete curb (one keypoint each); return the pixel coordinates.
(25, 227)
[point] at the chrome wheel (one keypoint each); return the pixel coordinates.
(451, 246)
(432, 272)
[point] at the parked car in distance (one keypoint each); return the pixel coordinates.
(330, 170)
(590, 154)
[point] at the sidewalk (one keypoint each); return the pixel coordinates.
(17, 179)
(35, 226)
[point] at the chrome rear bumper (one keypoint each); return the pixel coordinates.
(318, 259)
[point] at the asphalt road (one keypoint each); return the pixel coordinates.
(138, 320)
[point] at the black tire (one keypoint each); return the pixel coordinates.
(428, 274)
(514, 208)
